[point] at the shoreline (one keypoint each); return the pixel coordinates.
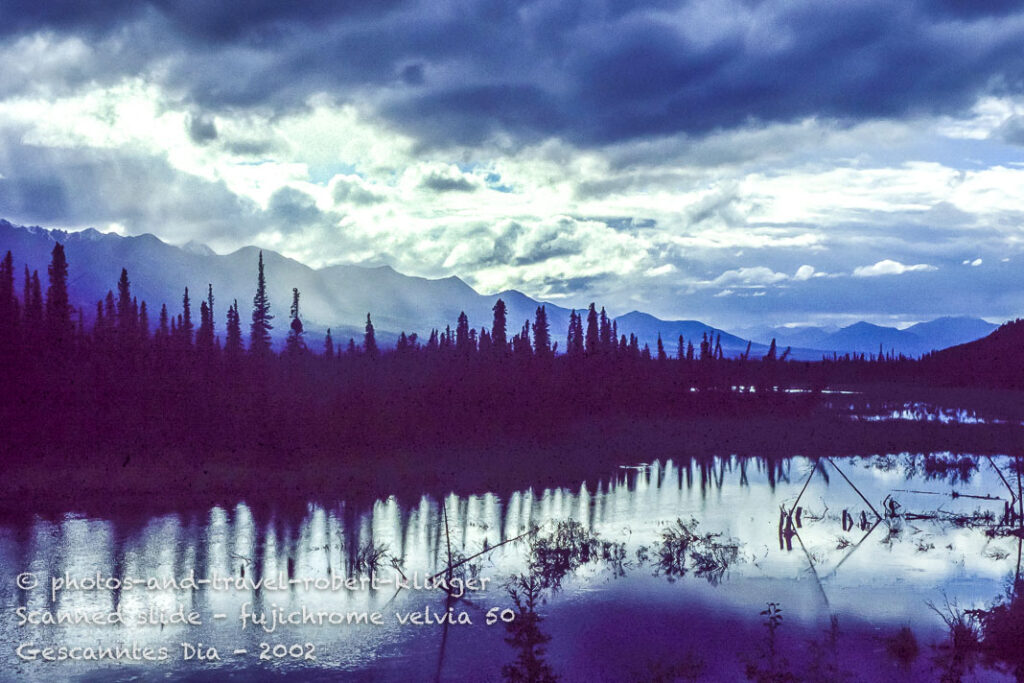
(54, 480)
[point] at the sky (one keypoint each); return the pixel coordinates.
(741, 162)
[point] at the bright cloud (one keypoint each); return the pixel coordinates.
(633, 157)
(890, 267)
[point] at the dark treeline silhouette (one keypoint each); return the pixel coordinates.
(133, 379)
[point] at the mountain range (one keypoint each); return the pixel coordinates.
(340, 296)
(863, 337)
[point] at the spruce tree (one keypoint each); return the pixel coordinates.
(485, 342)
(570, 334)
(523, 347)
(125, 323)
(186, 327)
(295, 343)
(233, 343)
(593, 332)
(462, 345)
(259, 334)
(328, 345)
(163, 331)
(204, 337)
(541, 333)
(58, 308)
(499, 329)
(209, 306)
(110, 310)
(576, 337)
(370, 340)
(607, 345)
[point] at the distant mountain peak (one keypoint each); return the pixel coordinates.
(198, 248)
(339, 296)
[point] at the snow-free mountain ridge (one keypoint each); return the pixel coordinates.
(340, 296)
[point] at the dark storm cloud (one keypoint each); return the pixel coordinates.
(83, 186)
(201, 129)
(225, 20)
(592, 71)
(436, 182)
(22, 16)
(292, 210)
(348, 191)
(1011, 131)
(972, 9)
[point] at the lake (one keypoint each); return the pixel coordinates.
(720, 569)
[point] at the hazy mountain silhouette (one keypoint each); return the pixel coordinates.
(806, 336)
(994, 360)
(949, 331)
(647, 328)
(863, 337)
(340, 296)
(336, 296)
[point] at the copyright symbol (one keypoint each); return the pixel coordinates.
(26, 581)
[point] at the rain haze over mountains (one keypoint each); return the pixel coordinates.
(340, 296)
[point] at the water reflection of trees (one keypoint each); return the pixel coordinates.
(555, 536)
(991, 636)
(569, 547)
(682, 549)
(525, 634)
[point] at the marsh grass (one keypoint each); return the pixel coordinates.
(683, 549)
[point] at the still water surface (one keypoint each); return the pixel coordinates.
(722, 569)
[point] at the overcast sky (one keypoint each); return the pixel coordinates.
(777, 161)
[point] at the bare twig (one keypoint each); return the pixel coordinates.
(854, 487)
(484, 551)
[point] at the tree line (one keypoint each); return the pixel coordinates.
(122, 320)
(170, 380)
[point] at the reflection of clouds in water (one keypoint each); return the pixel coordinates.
(737, 498)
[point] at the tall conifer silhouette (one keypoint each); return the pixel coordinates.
(370, 340)
(541, 333)
(328, 345)
(462, 342)
(593, 339)
(259, 333)
(58, 308)
(204, 337)
(499, 330)
(125, 321)
(186, 327)
(295, 343)
(233, 342)
(209, 305)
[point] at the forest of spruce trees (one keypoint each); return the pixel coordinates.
(133, 376)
